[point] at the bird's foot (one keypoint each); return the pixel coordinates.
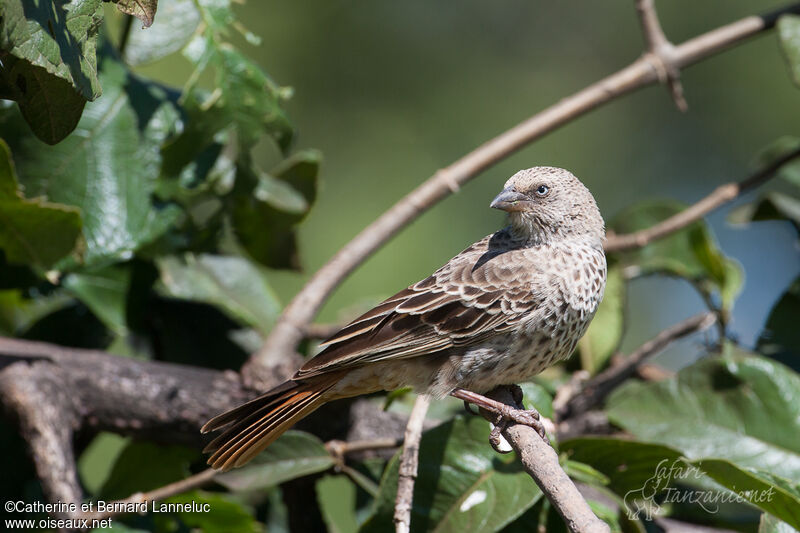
(506, 414)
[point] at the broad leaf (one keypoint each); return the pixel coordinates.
(295, 454)
(462, 484)
(173, 28)
(210, 512)
(781, 336)
(232, 283)
(144, 466)
(58, 35)
(765, 490)
(783, 202)
(33, 232)
(642, 472)
(245, 99)
(279, 201)
(738, 407)
(49, 104)
(770, 524)
(144, 10)
(536, 396)
(108, 166)
(691, 253)
(605, 332)
(105, 292)
(336, 496)
(628, 465)
(789, 35)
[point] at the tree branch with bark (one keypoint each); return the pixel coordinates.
(54, 392)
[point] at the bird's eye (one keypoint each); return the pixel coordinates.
(542, 190)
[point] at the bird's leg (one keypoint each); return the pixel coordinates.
(506, 413)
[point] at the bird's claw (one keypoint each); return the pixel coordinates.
(526, 417)
(468, 408)
(496, 436)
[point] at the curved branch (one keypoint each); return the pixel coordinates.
(661, 52)
(290, 328)
(720, 196)
(595, 390)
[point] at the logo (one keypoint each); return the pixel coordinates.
(646, 502)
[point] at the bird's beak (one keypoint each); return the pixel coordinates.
(510, 200)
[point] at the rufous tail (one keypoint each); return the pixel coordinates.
(251, 427)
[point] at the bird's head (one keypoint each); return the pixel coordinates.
(547, 203)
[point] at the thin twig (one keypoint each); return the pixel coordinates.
(321, 331)
(123, 506)
(340, 448)
(598, 388)
(661, 52)
(720, 196)
(541, 461)
(290, 328)
(409, 461)
(336, 448)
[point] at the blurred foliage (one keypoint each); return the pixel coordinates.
(149, 222)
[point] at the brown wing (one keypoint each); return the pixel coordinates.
(482, 291)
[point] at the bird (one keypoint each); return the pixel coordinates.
(499, 312)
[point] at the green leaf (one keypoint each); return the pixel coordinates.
(144, 10)
(537, 396)
(765, 490)
(214, 513)
(605, 332)
(295, 454)
(781, 336)
(244, 99)
(232, 283)
(59, 36)
(97, 460)
(105, 292)
(18, 312)
(336, 496)
(144, 466)
(584, 473)
(789, 36)
(691, 253)
(175, 26)
(108, 167)
(642, 471)
(462, 484)
(49, 104)
(782, 203)
(278, 208)
(738, 407)
(770, 524)
(627, 465)
(33, 232)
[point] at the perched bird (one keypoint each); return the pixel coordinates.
(499, 312)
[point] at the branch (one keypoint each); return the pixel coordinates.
(53, 392)
(119, 507)
(597, 389)
(290, 328)
(321, 331)
(541, 461)
(719, 197)
(337, 448)
(660, 52)
(409, 461)
(340, 448)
